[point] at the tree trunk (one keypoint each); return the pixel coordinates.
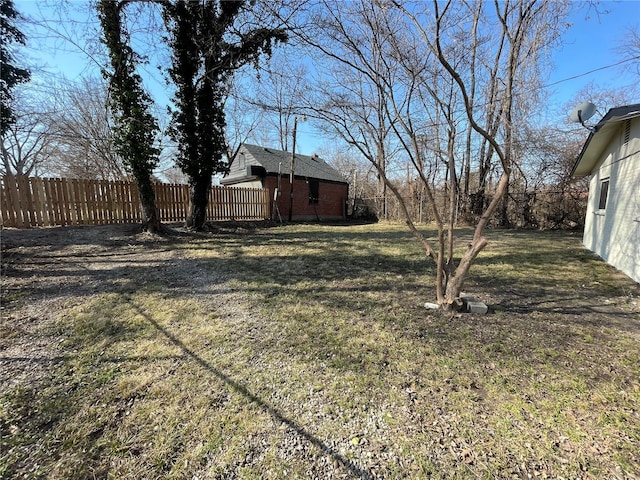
(150, 218)
(199, 196)
(134, 127)
(456, 281)
(504, 209)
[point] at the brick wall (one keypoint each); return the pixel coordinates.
(331, 199)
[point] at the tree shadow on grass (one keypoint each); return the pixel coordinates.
(348, 465)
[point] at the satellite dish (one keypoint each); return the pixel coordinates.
(582, 113)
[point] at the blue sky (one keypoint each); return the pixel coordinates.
(589, 44)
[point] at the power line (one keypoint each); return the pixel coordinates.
(591, 71)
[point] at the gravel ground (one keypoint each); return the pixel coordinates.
(45, 271)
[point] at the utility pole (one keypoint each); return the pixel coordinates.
(293, 162)
(276, 195)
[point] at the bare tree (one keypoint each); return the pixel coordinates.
(30, 140)
(244, 120)
(407, 83)
(629, 49)
(83, 132)
(521, 32)
(175, 175)
(279, 95)
(604, 98)
(546, 195)
(350, 93)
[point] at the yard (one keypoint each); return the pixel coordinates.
(305, 351)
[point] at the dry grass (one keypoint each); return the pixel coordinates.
(305, 352)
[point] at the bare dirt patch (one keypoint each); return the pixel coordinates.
(47, 271)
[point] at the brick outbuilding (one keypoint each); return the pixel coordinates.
(319, 191)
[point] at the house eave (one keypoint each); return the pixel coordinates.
(236, 180)
(600, 137)
(306, 178)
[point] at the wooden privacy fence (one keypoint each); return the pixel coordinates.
(31, 201)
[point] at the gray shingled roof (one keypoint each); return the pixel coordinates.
(305, 166)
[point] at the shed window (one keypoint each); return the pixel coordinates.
(604, 191)
(314, 191)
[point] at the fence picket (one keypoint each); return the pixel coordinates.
(21, 207)
(48, 217)
(25, 199)
(120, 201)
(8, 209)
(75, 201)
(100, 201)
(51, 216)
(56, 199)
(170, 193)
(127, 214)
(37, 200)
(110, 203)
(14, 198)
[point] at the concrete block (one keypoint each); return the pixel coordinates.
(477, 307)
(471, 305)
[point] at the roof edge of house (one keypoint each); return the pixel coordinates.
(325, 171)
(616, 114)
